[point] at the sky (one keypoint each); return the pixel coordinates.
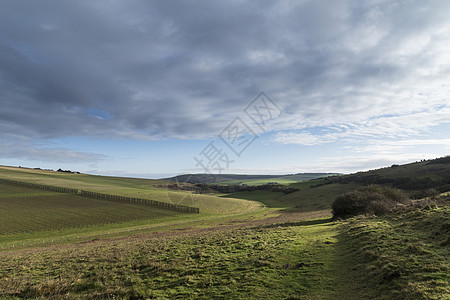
(160, 88)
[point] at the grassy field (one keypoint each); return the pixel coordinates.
(260, 181)
(253, 263)
(238, 249)
(285, 180)
(364, 258)
(28, 210)
(306, 199)
(31, 217)
(228, 179)
(130, 187)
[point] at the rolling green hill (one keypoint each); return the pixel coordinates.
(233, 249)
(24, 209)
(130, 187)
(414, 178)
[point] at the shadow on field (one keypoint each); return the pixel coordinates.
(300, 223)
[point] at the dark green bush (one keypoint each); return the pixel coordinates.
(372, 199)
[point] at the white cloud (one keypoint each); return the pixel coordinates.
(400, 146)
(363, 162)
(383, 127)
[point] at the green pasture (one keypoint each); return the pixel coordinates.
(131, 187)
(285, 180)
(30, 210)
(246, 245)
(264, 262)
(253, 182)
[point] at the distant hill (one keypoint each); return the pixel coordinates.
(415, 178)
(247, 179)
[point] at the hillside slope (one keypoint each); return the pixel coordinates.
(414, 178)
(130, 187)
(402, 255)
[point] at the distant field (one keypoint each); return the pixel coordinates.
(130, 187)
(263, 196)
(285, 179)
(30, 210)
(247, 179)
(252, 182)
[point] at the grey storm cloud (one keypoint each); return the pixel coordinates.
(184, 69)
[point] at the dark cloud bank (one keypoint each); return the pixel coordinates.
(184, 69)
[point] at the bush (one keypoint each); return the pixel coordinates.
(372, 199)
(432, 193)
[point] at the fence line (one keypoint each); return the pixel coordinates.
(132, 200)
(40, 186)
(95, 195)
